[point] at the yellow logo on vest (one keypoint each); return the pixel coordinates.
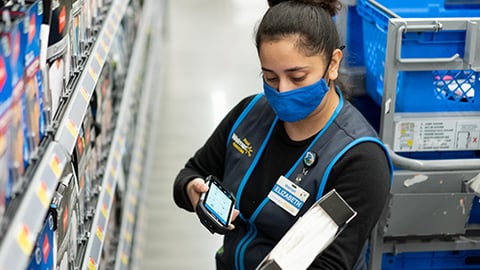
(242, 146)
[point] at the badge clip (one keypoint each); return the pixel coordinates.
(309, 160)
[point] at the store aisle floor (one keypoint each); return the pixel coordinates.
(209, 64)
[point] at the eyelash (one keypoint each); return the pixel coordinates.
(299, 79)
(271, 79)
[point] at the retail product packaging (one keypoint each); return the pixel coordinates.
(129, 24)
(310, 235)
(111, 237)
(56, 75)
(76, 53)
(105, 87)
(87, 34)
(44, 32)
(95, 16)
(80, 164)
(102, 108)
(84, 186)
(43, 252)
(83, 156)
(60, 20)
(4, 176)
(57, 51)
(5, 105)
(92, 181)
(76, 230)
(119, 56)
(14, 51)
(66, 204)
(34, 79)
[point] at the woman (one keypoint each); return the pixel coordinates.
(300, 128)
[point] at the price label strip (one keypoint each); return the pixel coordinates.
(91, 264)
(84, 94)
(55, 166)
(43, 194)
(72, 128)
(100, 233)
(23, 239)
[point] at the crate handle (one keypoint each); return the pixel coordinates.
(472, 46)
(433, 165)
(421, 28)
(384, 9)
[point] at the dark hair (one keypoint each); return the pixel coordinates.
(311, 20)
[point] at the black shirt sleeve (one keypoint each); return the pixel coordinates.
(362, 178)
(209, 159)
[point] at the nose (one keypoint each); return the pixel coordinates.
(284, 85)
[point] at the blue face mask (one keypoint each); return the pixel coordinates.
(296, 104)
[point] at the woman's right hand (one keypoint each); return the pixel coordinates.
(195, 188)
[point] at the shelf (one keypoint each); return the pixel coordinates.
(23, 230)
(132, 199)
(129, 254)
(22, 233)
(102, 214)
(130, 204)
(79, 100)
(114, 173)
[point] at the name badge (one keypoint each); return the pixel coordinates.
(288, 196)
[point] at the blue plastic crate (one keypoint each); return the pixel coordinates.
(422, 91)
(440, 260)
(475, 211)
(353, 39)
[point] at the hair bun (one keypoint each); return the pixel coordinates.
(331, 6)
(272, 3)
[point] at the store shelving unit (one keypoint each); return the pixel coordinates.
(21, 234)
(130, 252)
(114, 170)
(129, 208)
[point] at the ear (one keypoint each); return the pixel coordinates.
(337, 56)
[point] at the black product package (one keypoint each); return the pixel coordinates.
(59, 18)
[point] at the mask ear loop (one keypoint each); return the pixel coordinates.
(326, 71)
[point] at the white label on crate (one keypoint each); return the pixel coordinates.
(437, 135)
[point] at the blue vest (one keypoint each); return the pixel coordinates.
(253, 238)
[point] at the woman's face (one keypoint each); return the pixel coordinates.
(285, 67)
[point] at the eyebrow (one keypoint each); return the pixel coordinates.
(293, 69)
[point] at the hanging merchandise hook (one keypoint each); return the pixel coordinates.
(7, 19)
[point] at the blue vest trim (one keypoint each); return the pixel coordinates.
(254, 164)
(249, 237)
(259, 208)
(243, 115)
(321, 188)
(242, 251)
(242, 245)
